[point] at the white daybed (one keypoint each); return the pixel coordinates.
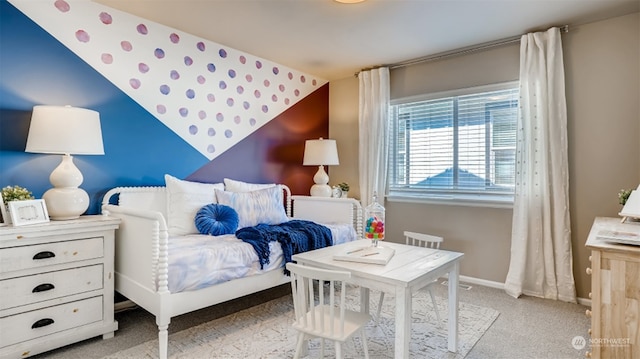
(143, 242)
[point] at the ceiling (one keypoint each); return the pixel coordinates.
(334, 41)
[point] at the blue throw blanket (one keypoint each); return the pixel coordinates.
(295, 236)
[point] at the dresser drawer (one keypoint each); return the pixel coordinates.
(30, 325)
(49, 285)
(40, 255)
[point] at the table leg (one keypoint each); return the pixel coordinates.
(453, 308)
(403, 322)
(364, 300)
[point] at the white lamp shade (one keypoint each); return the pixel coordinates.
(65, 130)
(320, 152)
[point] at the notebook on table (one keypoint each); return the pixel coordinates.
(374, 255)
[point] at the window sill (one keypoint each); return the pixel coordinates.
(454, 200)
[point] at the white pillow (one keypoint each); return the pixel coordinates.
(184, 199)
(239, 186)
(255, 207)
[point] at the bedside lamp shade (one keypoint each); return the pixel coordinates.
(320, 153)
(67, 131)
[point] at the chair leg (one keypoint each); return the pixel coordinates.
(338, 350)
(435, 307)
(322, 348)
(379, 307)
(299, 345)
(365, 347)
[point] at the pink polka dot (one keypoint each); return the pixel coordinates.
(211, 97)
(267, 83)
(175, 38)
(107, 58)
(222, 85)
(240, 90)
(257, 94)
(296, 92)
(286, 101)
(303, 79)
(200, 46)
(82, 36)
(314, 82)
(237, 119)
(142, 29)
(105, 18)
(174, 75)
(202, 115)
(62, 5)
(188, 61)
(142, 67)
(281, 88)
(248, 77)
(246, 105)
(201, 79)
(242, 59)
(274, 98)
(258, 65)
(159, 53)
(126, 46)
(230, 102)
(275, 70)
(161, 109)
(290, 75)
(134, 83)
(219, 117)
(265, 108)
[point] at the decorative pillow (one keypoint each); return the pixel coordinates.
(255, 207)
(216, 219)
(184, 199)
(239, 186)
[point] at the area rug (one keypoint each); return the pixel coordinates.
(264, 331)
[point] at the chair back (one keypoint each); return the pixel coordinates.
(422, 240)
(320, 311)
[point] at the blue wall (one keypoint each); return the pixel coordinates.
(36, 69)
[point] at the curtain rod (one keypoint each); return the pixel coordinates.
(458, 52)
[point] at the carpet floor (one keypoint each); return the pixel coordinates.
(264, 331)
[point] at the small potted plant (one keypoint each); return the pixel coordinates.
(12, 193)
(344, 187)
(623, 196)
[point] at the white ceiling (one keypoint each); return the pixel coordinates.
(333, 40)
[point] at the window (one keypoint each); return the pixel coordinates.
(458, 145)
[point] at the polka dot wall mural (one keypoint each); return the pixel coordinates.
(210, 95)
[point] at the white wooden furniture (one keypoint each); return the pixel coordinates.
(141, 264)
(410, 269)
(419, 240)
(615, 292)
(56, 284)
(328, 209)
(329, 318)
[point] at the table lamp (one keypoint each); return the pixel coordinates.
(320, 153)
(65, 130)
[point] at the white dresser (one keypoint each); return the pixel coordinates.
(328, 209)
(56, 284)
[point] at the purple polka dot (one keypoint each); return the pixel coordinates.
(265, 108)
(274, 98)
(202, 115)
(211, 132)
(252, 121)
(188, 61)
(267, 83)
(211, 97)
(134, 83)
(242, 59)
(275, 70)
(174, 75)
(82, 36)
(211, 149)
(258, 64)
(62, 5)
(142, 29)
(303, 79)
(286, 101)
(222, 85)
(281, 88)
(246, 105)
(164, 89)
(107, 58)
(201, 79)
(161, 109)
(126, 46)
(249, 78)
(228, 133)
(190, 94)
(230, 102)
(290, 75)
(193, 129)
(200, 46)
(232, 73)
(296, 92)
(240, 90)
(222, 53)
(175, 38)
(105, 18)
(142, 67)
(314, 82)
(219, 117)
(257, 94)
(211, 67)
(159, 53)
(183, 111)
(237, 119)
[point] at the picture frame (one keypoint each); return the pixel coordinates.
(28, 212)
(4, 216)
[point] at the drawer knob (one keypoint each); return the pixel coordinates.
(589, 295)
(587, 313)
(44, 255)
(587, 355)
(42, 323)
(589, 271)
(43, 287)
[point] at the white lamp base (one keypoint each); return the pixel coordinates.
(321, 188)
(66, 200)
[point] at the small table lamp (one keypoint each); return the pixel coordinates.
(65, 130)
(320, 153)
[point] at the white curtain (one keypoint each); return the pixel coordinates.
(541, 261)
(373, 121)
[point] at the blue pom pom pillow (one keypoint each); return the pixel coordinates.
(216, 220)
